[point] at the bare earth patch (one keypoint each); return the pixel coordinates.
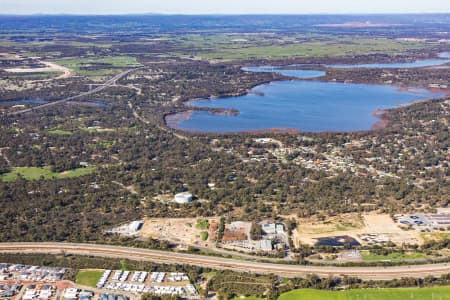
(50, 67)
(182, 231)
(379, 225)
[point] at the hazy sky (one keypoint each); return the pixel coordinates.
(221, 6)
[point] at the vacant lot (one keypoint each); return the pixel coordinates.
(188, 231)
(88, 277)
(309, 229)
(354, 225)
(35, 173)
(49, 68)
(441, 293)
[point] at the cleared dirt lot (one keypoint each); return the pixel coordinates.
(357, 226)
(182, 231)
(50, 67)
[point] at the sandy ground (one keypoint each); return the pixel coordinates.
(355, 226)
(176, 230)
(50, 67)
(129, 188)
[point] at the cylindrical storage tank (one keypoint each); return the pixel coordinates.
(183, 197)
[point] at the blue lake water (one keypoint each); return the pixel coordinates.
(443, 59)
(302, 74)
(304, 105)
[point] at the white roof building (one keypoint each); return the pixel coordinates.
(265, 245)
(273, 228)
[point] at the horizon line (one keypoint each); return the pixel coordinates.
(227, 14)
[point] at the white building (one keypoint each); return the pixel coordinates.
(71, 293)
(273, 228)
(135, 226)
(182, 198)
(264, 245)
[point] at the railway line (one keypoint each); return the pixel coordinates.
(285, 270)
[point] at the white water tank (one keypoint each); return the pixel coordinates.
(182, 198)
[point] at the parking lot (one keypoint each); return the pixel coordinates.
(425, 221)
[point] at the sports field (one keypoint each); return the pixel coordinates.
(435, 293)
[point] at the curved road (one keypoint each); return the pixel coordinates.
(101, 87)
(380, 273)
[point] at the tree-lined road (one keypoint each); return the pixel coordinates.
(367, 273)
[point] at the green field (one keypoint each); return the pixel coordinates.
(314, 49)
(88, 277)
(436, 293)
(367, 256)
(247, 298)
(35, 173)
(111, 61)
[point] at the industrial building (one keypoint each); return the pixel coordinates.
(273, 228)
(264, 245)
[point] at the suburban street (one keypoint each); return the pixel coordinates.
(366, 273)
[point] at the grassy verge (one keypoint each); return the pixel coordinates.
(35, 173)
(88, 277)
(367, 256)
(441, 293)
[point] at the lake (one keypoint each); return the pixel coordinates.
(302, 74)
(443, 59)
(302, 105)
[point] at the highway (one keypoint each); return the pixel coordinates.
(366, 273)
(101, 87)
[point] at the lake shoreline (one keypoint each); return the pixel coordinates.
(173, 122)
(307, 74)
